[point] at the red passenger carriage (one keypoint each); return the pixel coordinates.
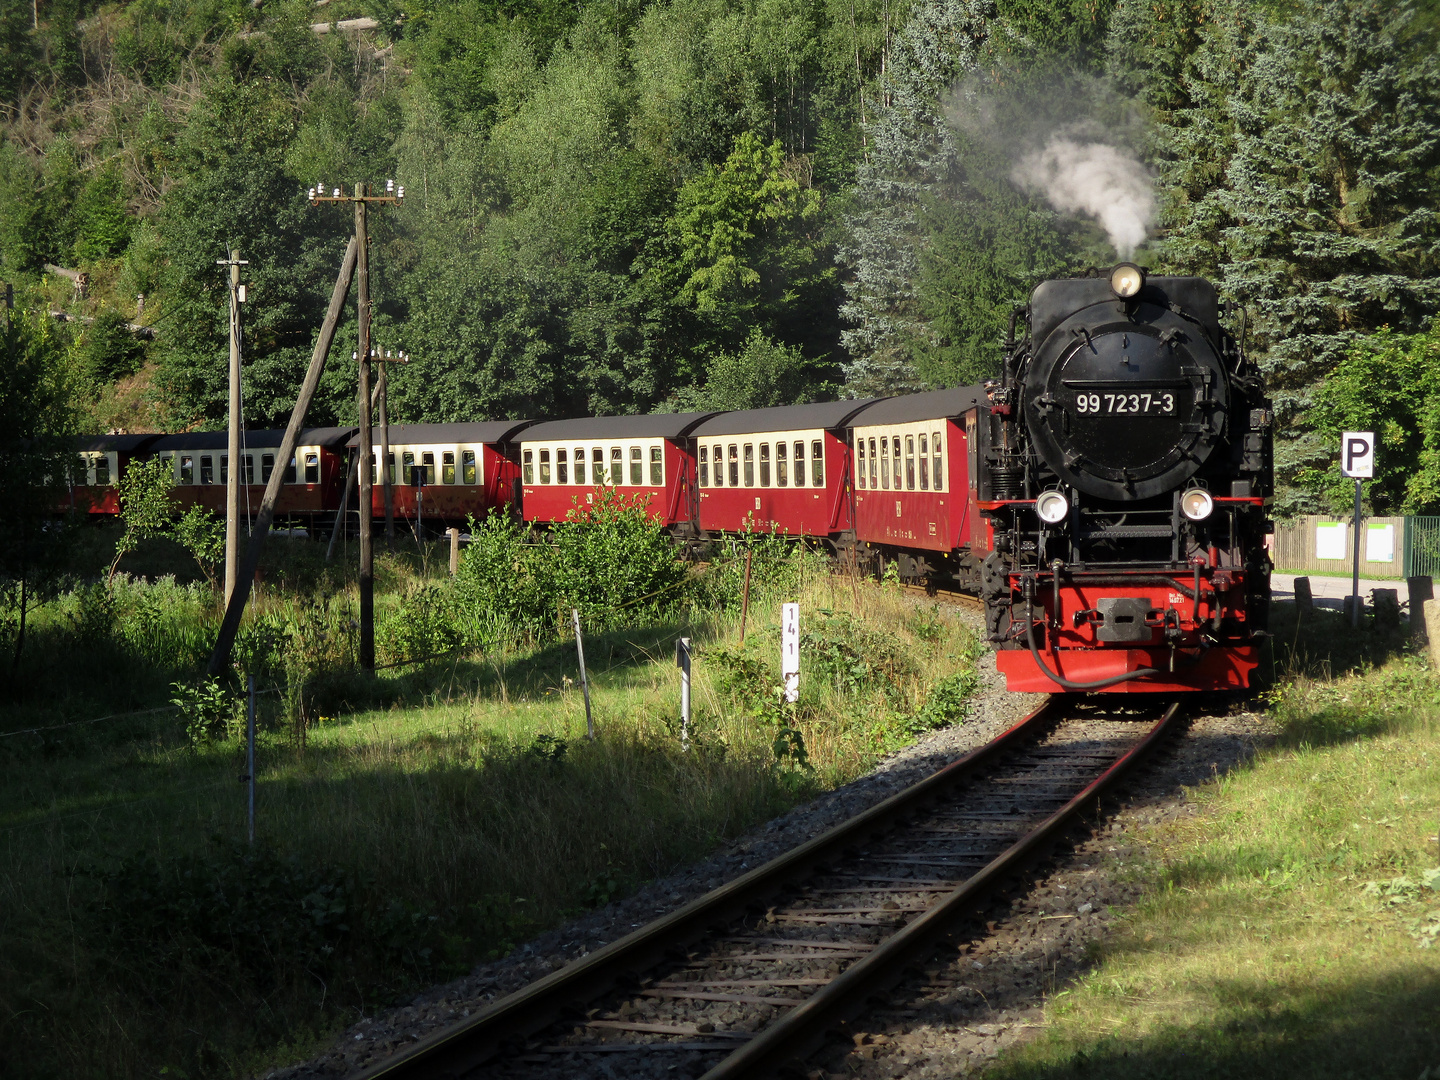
(647, 457)
(104, 459)
(314, 475)
(915, 460)
(784, 469)
(467, 469)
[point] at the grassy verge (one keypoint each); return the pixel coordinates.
(398, 845)
(1292, 925)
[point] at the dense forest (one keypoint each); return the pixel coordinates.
(625, 205)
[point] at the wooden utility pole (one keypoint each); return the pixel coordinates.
(366, 450)
(232, 475)
(225, 640)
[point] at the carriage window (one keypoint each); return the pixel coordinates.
(428, 460)
(467, 466)
(267, 467)
(390, 464)
(373, 459)
(781, 464)
(860, 469)
(224, 468)
(924, 463)
(312, 468)
(207, 469)
(764, 464)
(247, 469)
(562, 467)
(579, 464)
(704, 466)
(637, 468)
(407, 467)
(187, 469)
(544, 466)
(719, 457)
(447, 467)
(799, 464)
(895, 452)
(749, 464)
(527, 468)
(291, 475)
(617, 469)
(102, 469)
(657, 466)
(910, 462)
(597, 462)
(885, 463)
(939, 471)
(734, 465)
(874, 476)
(817, 463)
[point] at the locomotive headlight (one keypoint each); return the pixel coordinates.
(1196, 504)
(1052, 507)
(1126, 280)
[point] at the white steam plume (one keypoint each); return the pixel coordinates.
(1100, 181)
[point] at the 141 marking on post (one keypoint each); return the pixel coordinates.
(790, 650)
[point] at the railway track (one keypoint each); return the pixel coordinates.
(749, 978)
(947, 596)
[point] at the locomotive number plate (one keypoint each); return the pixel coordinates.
(1152, 403)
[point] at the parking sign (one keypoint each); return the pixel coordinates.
(1357, 454)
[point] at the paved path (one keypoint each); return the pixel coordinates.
(1330, 592)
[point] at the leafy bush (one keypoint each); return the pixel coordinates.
(607, 559)
(855, 658)
(426, 624)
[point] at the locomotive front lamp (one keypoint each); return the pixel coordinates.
(1052, 507)
(1196, 504)
(1126, 280)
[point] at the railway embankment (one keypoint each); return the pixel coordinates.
(408, 827)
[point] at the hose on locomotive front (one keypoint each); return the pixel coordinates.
(1055, 677)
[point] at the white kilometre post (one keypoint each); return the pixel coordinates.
(1357, 459)
(682, 658)
(790, 651)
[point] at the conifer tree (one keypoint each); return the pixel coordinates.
(1304, 171)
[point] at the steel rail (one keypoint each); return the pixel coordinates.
(460, 1047)
(802, 1029)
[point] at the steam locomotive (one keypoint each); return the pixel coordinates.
(1128, 461)
(1106, 497)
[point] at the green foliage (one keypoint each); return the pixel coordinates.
(426, 624)
(108, 350)
(840, 649)
(146, 508)
(608, 560)
(761, 375)
(102, 226)
(202, 534)
(207, 708)
(1388, 383)
(36, 424)
(1301, 167)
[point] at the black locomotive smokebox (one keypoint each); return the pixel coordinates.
(1125, 399)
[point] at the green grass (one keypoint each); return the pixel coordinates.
(1291, 926)
(400, 844)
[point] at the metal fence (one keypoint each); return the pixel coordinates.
(1422, 546)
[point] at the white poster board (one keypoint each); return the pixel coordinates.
(790, 650)
(1330, 539)
(1380, 543)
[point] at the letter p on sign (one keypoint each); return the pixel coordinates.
(1357, 454)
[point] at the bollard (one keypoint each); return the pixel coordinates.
(1304, 600)
(1420, 587)
(454, 551)
(1349, 607)
(1430, 617)
(584, 678)
(1386, 605)
(682, 659)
